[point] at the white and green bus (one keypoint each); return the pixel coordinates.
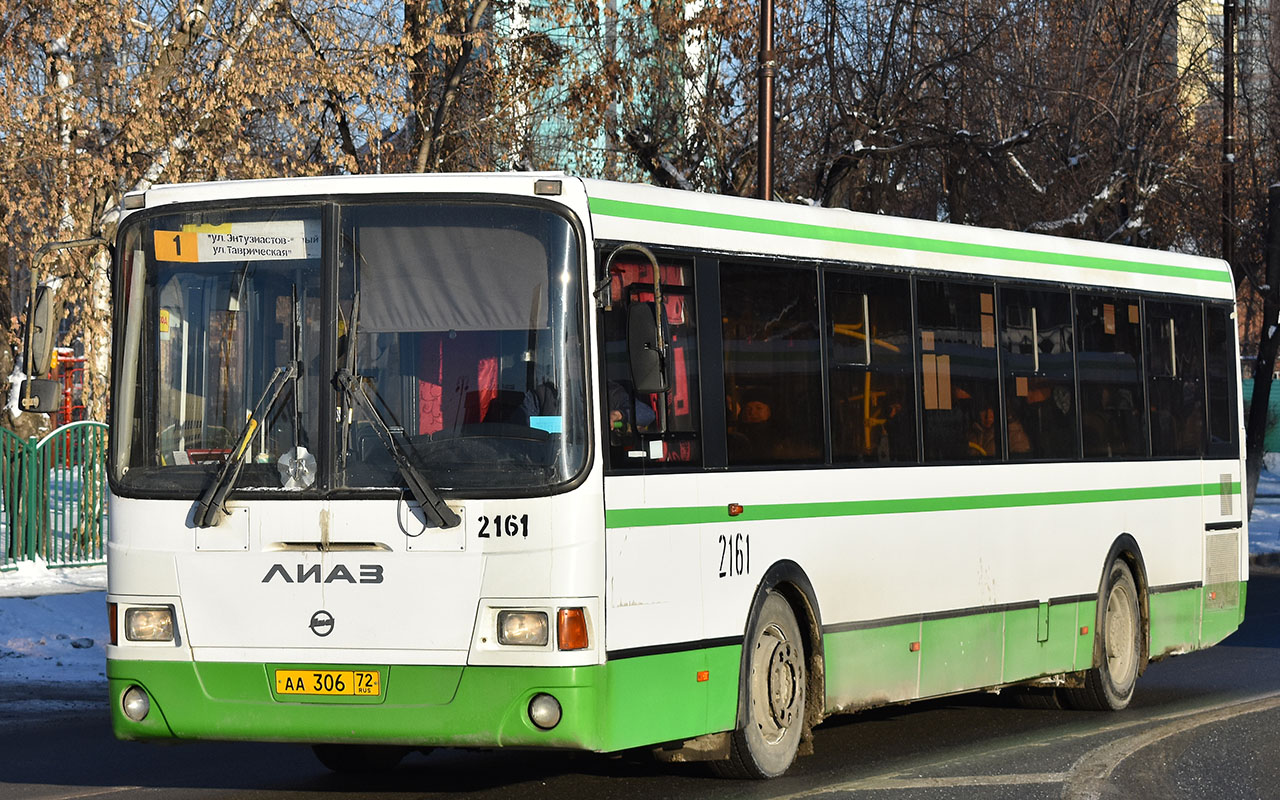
(525, 460)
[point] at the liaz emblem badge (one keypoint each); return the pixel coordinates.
(321, 623)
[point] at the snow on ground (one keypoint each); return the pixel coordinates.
(53, 625)
(53, 622)
(33, 578)
(1264, 523)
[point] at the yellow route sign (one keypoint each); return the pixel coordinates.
(176, 246)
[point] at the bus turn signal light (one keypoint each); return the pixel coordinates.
(571, 629)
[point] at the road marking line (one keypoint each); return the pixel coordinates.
(1087, 778)
(891, 782)
(91, 793)
(1021, 779)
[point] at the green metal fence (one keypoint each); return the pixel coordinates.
(53, 496)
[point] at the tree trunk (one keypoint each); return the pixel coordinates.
(1256, 432)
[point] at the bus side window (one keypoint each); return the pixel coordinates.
(772, 365)
(646, 430)
(959, 378)
(873, 407)
(1110, 367)
(1040, 408)
(1220, 383)
(1175, 378)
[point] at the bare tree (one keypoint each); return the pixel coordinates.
(1077, 119)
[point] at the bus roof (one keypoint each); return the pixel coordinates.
(750, 227)
(742, 225)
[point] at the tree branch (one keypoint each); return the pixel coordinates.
(426, 151)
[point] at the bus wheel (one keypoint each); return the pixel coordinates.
(1109, 685)
(1040, 699)
(359, 757)
(765, 745)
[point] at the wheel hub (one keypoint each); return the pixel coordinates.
(1119, 635)
(782, 684)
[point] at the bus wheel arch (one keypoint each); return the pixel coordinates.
(783, 597)
(1121, 641)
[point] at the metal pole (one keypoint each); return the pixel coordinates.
(768, 66)
(1228, 132)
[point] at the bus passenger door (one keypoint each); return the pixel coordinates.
(653, 556)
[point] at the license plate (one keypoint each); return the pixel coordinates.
(357, 683)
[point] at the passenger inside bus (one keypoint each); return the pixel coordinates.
(752, 434)
(982, 435)
(627, 410)
(1048, 418)
(898, 433)
(1112, 423)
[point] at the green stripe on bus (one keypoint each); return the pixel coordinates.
(692, 515)
(801, 230)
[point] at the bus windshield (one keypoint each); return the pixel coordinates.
(467, 321)
(459, 322)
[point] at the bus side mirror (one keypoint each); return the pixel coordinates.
(43, 322)
(40, 396)
(648, 362)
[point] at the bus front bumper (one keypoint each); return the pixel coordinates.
(418, 705)
(604, 708)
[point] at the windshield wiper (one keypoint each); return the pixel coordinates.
(344, 410)
(428, 498)
(210, 511)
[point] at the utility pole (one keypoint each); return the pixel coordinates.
(767, 68)
(1229, 132)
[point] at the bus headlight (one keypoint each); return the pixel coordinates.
(148, 625)
(526, 628)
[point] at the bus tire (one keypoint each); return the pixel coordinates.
(1046, 699)
(359, 757)
(1108, 686)
(767, 739)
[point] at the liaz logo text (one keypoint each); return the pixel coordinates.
(367, 573)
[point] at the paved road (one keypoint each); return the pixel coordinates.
(1201, 725)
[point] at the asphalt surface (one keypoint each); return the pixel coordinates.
(1202, 725)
